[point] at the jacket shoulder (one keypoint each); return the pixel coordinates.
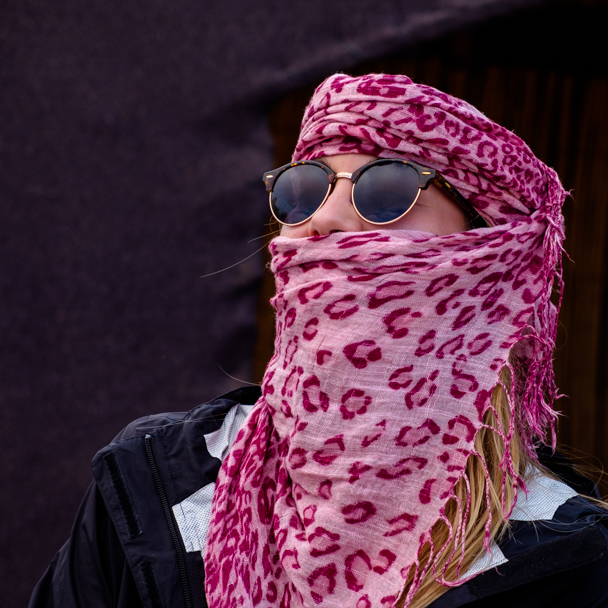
(212, 411)
(151, 467)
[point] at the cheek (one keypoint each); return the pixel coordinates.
(295, 232)
(416, 219)
(434, 212)
(451, 219)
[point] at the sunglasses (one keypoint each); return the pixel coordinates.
(383, 191)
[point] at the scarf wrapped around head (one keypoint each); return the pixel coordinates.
(388, 347)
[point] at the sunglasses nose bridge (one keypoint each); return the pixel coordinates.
(336, 177)
(341, 175)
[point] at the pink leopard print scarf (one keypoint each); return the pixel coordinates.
(388, 346)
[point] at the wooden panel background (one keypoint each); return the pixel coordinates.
(544, 74)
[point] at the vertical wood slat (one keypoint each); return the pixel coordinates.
(588, 249)
(565, 157)
(494, 95)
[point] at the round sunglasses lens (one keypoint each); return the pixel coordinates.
(386, 191)
(298, 192)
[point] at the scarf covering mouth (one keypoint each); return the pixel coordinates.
(388, 347)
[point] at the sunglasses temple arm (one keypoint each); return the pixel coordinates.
(457, 197)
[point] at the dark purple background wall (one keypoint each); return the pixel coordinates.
(132, 140)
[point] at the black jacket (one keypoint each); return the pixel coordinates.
(125, 549)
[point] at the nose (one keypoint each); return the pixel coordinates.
(337, 213)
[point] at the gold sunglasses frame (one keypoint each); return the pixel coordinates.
(426, 176)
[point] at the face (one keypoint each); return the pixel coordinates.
(434, 212)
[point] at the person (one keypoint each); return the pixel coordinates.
(400, 450)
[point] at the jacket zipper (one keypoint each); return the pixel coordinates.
(169, 517)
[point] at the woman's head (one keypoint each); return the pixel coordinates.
(352, 120)
(494, 178)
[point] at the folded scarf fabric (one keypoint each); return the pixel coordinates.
(392, 117)
(388, 347)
